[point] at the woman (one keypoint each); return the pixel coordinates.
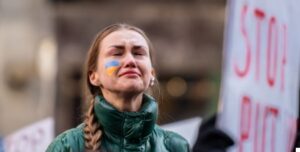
(121, 117)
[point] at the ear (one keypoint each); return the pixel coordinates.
(153, 72)
(94, 79)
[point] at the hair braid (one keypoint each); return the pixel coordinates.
(92, 130)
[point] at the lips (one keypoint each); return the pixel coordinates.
(130, 73)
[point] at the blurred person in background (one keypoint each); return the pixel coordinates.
(212, 139)
(121, 115)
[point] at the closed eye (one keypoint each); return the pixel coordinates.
(139, 52)
(117, 52)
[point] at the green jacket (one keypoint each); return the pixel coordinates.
(124, 131)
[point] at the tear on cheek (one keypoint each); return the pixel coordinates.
(111, 67)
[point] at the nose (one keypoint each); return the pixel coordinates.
(129, 61)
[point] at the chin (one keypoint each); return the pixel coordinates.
(133, 89)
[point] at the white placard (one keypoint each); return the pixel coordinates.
(187, 128)
(260, 84)
(34, 138)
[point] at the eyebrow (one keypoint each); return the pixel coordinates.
(122, 46)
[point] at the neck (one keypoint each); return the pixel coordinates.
(122, 102)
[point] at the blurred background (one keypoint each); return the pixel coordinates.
(43, 45)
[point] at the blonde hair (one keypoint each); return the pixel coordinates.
(92, 129)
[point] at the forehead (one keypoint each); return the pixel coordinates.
(122, 37)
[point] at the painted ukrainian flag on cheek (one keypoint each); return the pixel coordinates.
(111, 67)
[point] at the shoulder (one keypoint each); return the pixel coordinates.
(70, 140)
(173, 141)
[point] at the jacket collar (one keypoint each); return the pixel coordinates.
(132, 126)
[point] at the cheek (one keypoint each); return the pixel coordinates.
(147, 70)
(110, 71)
(149, 67)
(102, 72)
(111, 67)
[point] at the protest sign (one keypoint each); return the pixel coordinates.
(260, 84)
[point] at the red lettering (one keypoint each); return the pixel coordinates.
(260, 15)
(243, 72)
(272, 35)
(270, 112)
(258, 133)
(245, 123)
(275, 71)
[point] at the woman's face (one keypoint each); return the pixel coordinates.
(124, 63)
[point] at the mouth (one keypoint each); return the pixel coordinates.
(130, 74)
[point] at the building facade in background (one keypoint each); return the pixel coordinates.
(43, 45)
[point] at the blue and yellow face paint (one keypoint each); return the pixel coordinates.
(111, 66)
